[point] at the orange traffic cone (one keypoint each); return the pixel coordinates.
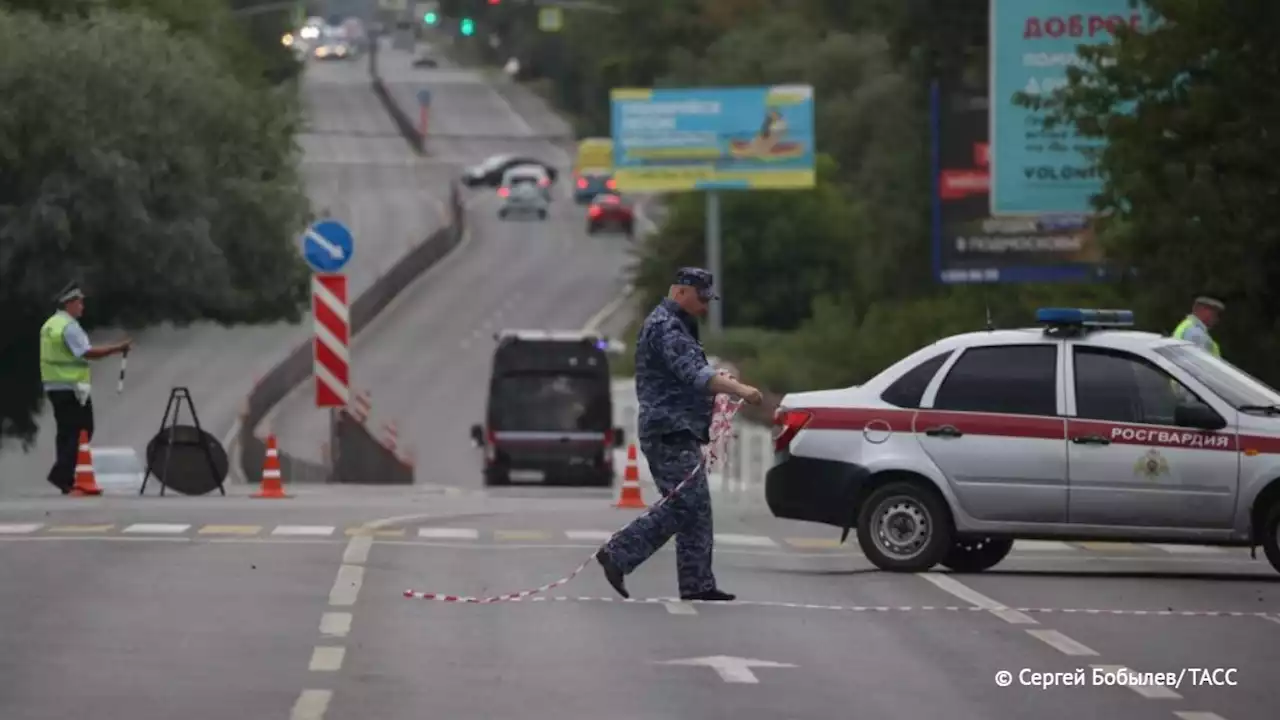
(271, 478)
(86, 482)
(630, 497)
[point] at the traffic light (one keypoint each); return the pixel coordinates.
(431, 18)
(467, 27)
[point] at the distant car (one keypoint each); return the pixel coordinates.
(490, 172)
(333, 44)
(426, 62)
(610, 211)
(588, 185)
(525, 190)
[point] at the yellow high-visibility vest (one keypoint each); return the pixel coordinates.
(57, 363)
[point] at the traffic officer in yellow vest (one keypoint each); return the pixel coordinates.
(65, 352)
(1196, 326)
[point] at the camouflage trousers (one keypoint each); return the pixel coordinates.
(687, 515)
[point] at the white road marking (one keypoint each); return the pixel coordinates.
(588, 534)
(680, 608)
(1151, 692)
(311, 705)
(1271, 618)
(1196, 715)
(19, 528)
(1189, 549)
(346, 588)
(1062, 643)
(730, 669)
(327, 658)
(1041, 546)
(314, 530)
(157, 528)
(335, 624)
(357, 551)
(748, 540)
(439, 533)
(964, 592)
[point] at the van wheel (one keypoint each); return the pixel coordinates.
(975, 554)
(904, 527)
(1271, 536)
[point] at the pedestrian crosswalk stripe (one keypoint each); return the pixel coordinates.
(590, 535)
(312, 530)
(818, 543)
(157, 528)
(80, 528)
(230, 529)
(522, 535)
(1189, 549)
(748, 540)
(19, 528)
(448, 533)
(1040, 546)
(367, 532)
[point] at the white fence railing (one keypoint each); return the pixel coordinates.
(750, 452)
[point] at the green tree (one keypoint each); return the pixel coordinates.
(1187, 113)
(138, 164)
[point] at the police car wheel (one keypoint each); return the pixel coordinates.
(904, 527)
(975, 554)
(496, 477)
(1271, 537)
(502, 214)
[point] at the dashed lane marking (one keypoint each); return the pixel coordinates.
(19, 528)
(680, 608)
(745, 540)
(1196, 715)
(230, 530)
(335, 624)
(589, 535)
(815, 543)
(304, 530)
(78, 529)
(311, 705)
(1188, 549)
(365, 532)
(1041, 546)
(346, 588)
(1062, 643)
(448, 533)
(326, 658)
(954, 587)
(1151, 692)
(157, 529)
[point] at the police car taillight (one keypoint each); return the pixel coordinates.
(786, 424)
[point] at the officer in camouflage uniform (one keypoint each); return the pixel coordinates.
(676, 388)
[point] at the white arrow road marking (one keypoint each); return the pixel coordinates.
(334, 251)
(731, 669)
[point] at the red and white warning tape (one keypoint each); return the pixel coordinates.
(713, 454)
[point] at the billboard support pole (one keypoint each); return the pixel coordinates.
(716, 314)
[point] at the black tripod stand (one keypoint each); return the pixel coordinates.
(184, 438)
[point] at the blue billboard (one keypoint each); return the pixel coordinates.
(748, 138)
(1035, 171)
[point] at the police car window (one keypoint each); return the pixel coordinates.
(906, 391)
(1013, 379)
(1121, 387)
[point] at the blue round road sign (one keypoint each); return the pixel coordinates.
(424, 97)
(327, 246)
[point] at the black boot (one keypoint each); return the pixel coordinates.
(714, 595)
(612, 573)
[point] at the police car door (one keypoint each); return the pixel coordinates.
(1130, 462)
(994, 428)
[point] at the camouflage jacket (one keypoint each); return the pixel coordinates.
(672, 375)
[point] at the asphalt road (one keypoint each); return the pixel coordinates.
(358, 167)
(425, 360)
(203, 607)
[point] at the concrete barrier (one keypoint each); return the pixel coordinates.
(360, 460)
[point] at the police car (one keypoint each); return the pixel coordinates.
(1082, 429)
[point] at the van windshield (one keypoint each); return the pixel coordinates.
(551, 402)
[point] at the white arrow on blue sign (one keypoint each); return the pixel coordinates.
(327, 246)
(424, 97)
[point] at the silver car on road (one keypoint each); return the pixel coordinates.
(525, 190)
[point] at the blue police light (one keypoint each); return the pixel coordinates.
(1082, 317)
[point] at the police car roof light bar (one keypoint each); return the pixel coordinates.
(1082, 317)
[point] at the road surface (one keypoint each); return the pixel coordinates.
(358, 167)
(425, 360)
(203, 608)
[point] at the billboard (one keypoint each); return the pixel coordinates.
(748, 138)
(1032, 44)
(970, 245)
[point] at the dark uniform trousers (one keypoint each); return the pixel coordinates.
(687, 515)
(71, 417)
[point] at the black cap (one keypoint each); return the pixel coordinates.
(697, 278)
